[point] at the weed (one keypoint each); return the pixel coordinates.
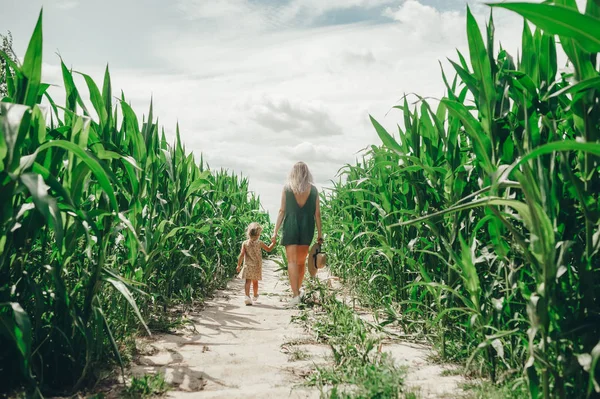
(146, 386)
(359, 368)
(450, 372)
(488, 390)
(297, 354)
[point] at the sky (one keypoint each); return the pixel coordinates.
(257, 85)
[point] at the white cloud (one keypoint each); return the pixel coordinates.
(66, 4)
(364, 57)
(268, 15)
(317, 153)
(201, 9)
(232, 15)
(285, 116)
(256, 88)
(267, 100)
(425, 22)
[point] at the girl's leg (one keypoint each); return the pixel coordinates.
(290, 252)
(301, 253)
(255, 287)
(247, 287)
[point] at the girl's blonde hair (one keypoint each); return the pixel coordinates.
(300, 179)
(253, 231)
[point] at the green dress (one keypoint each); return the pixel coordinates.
(299, 222)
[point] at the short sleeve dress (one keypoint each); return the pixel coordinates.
(252, 269)
(299, 221)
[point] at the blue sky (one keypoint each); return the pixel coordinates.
(259, 85)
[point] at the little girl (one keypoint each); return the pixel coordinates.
(251, 255)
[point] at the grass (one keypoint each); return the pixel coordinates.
(451, 372)
(146, 386)
(300, 341)
(489, 390)
(359, 367)
(297, 354)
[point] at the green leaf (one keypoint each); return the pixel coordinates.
(44, 203)
(547, 60)
(32, 64)
(111, 338)
(127, 223)
(133, 127)
(107, 92)
(469, 274)
(91, 162)
(467, 79)
(72, 94)
(527, 51)
(53, 183)
(482, 145)
(483, 71)
(593, 8)
(593, 384)
(14, 124)
(557, 146)
(15, 68)
(592, 83)
(559, 20)
(122, 288)
(17, 326)
(96, 98)
(385, 137)
(198, 184)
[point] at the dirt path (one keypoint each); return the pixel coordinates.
(240, 351)
(423, 376)
(237, 351)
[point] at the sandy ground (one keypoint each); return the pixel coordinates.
(423, 376)
(240, 351)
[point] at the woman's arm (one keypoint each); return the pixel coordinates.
(279, 217)
(318, 220)
(240, 259)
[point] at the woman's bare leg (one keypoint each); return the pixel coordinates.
(290, 252)
(301, 253)
(255, 287)
(247, 287)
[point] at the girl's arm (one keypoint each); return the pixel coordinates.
(318, 220)
(268, 248)
(241, 258)
(279, 217)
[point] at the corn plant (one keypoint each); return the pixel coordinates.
(479, 221)
(104, 225)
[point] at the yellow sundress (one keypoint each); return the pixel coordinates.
(252, 269)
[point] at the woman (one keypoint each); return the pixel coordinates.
(299, 213)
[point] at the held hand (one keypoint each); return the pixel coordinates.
(320, 240)
(274, 239)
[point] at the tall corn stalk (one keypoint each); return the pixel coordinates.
(103, 226)
(480, 218)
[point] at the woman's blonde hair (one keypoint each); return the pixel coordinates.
(253, 231)
(300, 179)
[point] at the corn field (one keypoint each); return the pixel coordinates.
(477, 223)
(104, 225)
